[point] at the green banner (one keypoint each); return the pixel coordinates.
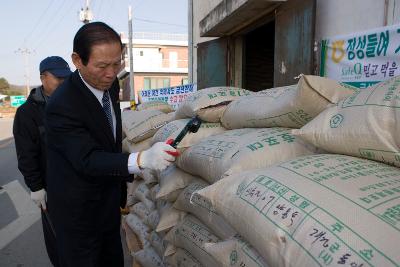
(17, 100)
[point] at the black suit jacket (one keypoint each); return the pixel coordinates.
(85, 164)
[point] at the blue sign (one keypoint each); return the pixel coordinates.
(172, 95)
(17, 100)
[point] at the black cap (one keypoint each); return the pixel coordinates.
(56, 66)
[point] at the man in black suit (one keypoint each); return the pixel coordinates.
(85, 163)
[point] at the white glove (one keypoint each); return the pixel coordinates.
(156, 157)
(39, 197)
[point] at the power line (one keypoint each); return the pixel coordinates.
(109, 10)
(39, 20)
(49, 24)
(55, 25)
(138, 4)
(99, 9)
(160, 22)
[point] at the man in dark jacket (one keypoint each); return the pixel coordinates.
(85, 164)
(30, 141)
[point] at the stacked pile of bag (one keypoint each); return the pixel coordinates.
(138, 128)
(214, 241)
(152, 195)
(258, 193)
(323, 209)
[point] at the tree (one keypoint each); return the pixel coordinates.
(4, 85)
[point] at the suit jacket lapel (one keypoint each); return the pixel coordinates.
(95, 109)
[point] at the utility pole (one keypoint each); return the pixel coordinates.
(133, 93)
(191, 48)
(26, 52)
(86, 15)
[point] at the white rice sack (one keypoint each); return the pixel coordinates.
(157, 243)
(172, 181)
(153, 219)
(149, 176)
(138, 227)
(129, 147)
(131, 199)
(142, 190)
(169, 218)
(289, 106)
(191, 235)
(315, 210)
(148, 257)
(149, 204)
(140, 210)
(142, 193)
(155, 105)
(182, 258)
(162, 205)
(153, 192)
(149, 217)
(173, 128)
(209, 103)
(140, 125)
(171, 249)
(201, 210)
(363, 125)
(239, 150)
(132, 240)
(235, 252)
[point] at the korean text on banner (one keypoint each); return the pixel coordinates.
(364, 58)
(172, 95)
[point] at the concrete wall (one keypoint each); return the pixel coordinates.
(182, 53)
(333, 17)
(200, 8)
(347, 16)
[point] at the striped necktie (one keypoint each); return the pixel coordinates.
(107, 109)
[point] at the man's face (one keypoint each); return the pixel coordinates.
(50, 82)
(103, 65)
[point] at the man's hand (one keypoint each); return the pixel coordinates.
(39, 197)
(156, 157)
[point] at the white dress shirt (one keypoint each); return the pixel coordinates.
(133, 167)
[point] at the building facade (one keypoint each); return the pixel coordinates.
(159, 60)
(259, 44)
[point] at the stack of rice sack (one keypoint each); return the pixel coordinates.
(289, 106)
(315, 210)
(339, 209)
(152, 198)
(139, 127)
(234, 151)
(198, 235)
(174, 181)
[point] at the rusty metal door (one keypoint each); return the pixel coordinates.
(212, 58)
(294, 41)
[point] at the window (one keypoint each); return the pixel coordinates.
(156, 82)
(185, 81)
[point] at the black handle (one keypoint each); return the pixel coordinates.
(193, 126)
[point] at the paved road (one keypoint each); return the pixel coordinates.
(21, 236)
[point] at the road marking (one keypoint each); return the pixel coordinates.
(28, 213)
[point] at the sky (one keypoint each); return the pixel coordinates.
(32, 30)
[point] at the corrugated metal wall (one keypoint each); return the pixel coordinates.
(294, 41)
(212, 67)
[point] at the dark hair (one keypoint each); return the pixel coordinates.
(91, 34)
